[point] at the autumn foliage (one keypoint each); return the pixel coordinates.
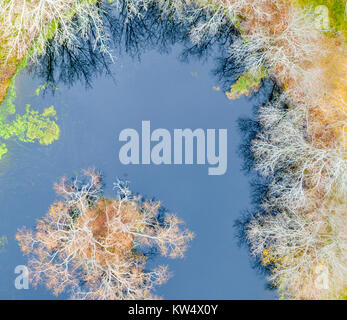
(299, 230)
(97, 248)
(299, 233)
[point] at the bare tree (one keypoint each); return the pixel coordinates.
(300, 149)
(29, 24)
(97, 247)
(296, 167)
(305, 251)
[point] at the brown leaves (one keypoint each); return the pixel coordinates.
(101, 243)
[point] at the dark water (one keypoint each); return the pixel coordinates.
(171, 95)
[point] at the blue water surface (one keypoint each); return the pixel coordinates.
(170, 94)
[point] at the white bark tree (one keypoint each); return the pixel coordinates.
(96, 247)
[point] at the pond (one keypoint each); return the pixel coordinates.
(170, 94)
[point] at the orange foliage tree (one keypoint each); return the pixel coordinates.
(97, 248)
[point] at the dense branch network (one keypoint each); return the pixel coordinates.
(300, 148)
(97, 247)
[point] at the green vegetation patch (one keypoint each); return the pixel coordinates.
(29, 127)
(246, 84)
(337, 12)
(3, 243)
